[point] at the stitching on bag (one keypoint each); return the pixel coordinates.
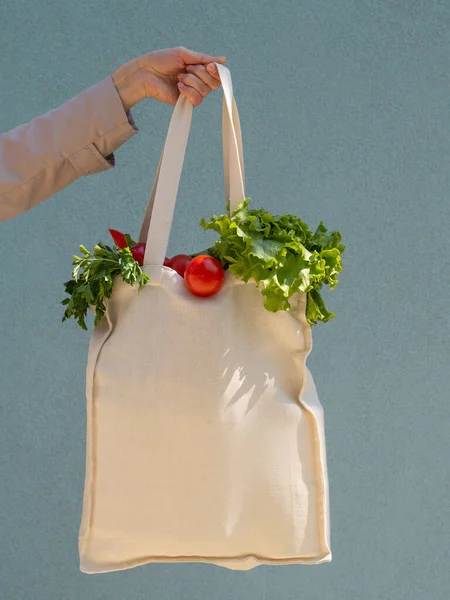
(240, 557)
(90, 488)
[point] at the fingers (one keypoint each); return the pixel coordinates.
(198, 83)
(191, 93)
(209, 77)
(194, 82)
(194, 91)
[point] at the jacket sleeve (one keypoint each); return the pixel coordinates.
(41, 157)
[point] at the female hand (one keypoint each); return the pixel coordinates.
(158, 74)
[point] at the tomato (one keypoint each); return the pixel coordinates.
(167, 262)
(118, 237)
(204, 275)
(179, 263)
(138, 253)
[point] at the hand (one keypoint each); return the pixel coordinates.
(158, 74)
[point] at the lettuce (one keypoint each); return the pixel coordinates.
(281, 253)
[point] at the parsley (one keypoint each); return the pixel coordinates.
(93, 280)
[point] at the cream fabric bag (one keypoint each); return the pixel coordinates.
(205, 435)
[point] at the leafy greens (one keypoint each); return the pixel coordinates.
(95, 282)
(280, 252)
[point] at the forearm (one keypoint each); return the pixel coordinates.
(41, 157)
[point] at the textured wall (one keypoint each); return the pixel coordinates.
(345, 116)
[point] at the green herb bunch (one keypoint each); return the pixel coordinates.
(92, 281)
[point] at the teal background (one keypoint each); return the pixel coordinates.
(345, 116)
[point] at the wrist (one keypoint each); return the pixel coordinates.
(129, 90)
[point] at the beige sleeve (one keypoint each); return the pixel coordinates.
(41, 157)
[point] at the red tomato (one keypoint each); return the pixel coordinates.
(167, 262)
(138, 253)
(179, 263)
(204, 275)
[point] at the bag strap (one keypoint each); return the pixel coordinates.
(157, 223)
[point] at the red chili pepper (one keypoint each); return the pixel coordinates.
(119, 238)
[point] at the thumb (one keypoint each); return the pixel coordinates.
(194, 58)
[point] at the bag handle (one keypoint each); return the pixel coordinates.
(157, 223)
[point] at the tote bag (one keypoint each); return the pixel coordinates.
(205, 435)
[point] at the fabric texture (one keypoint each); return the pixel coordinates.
(44, 156)
(205, 435)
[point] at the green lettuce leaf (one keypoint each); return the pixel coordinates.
(281, 254)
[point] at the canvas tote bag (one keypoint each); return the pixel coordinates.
(205, 435)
